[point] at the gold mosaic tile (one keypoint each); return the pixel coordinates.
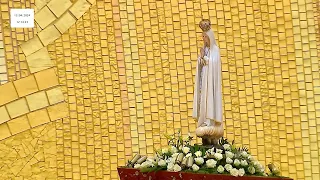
(46, 78)
(38, 117)
(49, 34)
(7, 93)
(4, 116)
(37, 100)
(4, 131)
(55, 95)
(17, 108)
(39, 60)
(41, 3)
(58, 111)
(79, 8)
(26, 86)
(44, 17)
(31, 46)
(19, 124)
(65, 22)
(58, 7)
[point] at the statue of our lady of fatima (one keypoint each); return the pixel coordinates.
(207, 103)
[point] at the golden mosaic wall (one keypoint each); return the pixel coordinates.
(97, 81)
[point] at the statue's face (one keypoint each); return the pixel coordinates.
(206, 39)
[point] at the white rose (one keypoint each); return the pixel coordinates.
(162, 163)
(176, 168)
(220, 169)
(251, 169)
(236, 162)
(170, 167)
(199, 160)
(228, 167)
(229, 154)
(218, 156)
(256, 163)
(151, 160)
(261, 168)
(137, 166)
(244, 163)
(169, 160)
(188, 155)
(211, 163)
(229, 160)
(241, 172)
(175, 155)
(195, 167)
(234, 172)
(244, 154)
(185, 150)
(198, 153)
(173, 149)
(249, 157)
(219, 151)
(227, 147)
(147, 164)
(164, 150)
(173, 159)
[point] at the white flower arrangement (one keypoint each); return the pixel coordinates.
(211, 163)
(229, 160)
(244, 163)
(236, 162)
(199, 160)
(198, 153)
(176, 168)
(241, 172)
(218, 156)
(162, 163)
(185, 150)
(229, 154)
(195, 167)
(182, 156)
(220, 169)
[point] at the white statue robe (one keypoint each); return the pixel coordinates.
(207, 103)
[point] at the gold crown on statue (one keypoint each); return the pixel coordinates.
(205, 25)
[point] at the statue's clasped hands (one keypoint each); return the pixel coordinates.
(203, 59)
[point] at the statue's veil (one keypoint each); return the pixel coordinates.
(213, 43)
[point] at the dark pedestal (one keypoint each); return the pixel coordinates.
(135, 174)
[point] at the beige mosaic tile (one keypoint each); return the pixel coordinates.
(26, 86)
(79, 8)
(39, 60)
(7, 93)
(46, 78)
(4, 116)
(58, 7)
(44, 17)
(38, 117)
(17, 108)
(65, 22)
(55, 95)
(49, 34)
(19, 124)
(31, 46)
(37, 101)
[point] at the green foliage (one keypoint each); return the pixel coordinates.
(177, 140)
(223, 141)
